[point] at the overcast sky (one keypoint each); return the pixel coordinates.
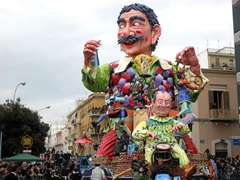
(41, 43)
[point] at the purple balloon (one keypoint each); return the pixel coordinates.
(161, 88)
(170, 81)
(130, 71)
(121, 82)
(126, 101)
(165, 73)
(139, 97)
(158, 80)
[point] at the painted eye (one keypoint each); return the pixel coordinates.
(121, 26)
(136, 24)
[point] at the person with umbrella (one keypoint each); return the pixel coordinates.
(80, 150)
(80, 142)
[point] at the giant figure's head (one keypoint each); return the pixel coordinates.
(139, 30)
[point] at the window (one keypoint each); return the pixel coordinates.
(217, 61)
(231, 63)
(219, 100)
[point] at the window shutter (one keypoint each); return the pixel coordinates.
(211, 99)
(226, 100)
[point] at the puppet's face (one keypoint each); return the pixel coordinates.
(135, 24)
(162, 105)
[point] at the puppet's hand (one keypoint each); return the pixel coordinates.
(151, 134)
(89, 48)
(188, 57)
(176, 127)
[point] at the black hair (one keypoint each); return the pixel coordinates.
(152, 17)
(13, 167)
(179, 74)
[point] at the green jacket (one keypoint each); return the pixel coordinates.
(138, 176)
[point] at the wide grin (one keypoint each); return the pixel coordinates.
(129, 44)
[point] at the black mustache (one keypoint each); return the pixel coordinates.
(132, 39)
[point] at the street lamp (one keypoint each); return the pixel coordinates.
(23, 83)
(43, 108)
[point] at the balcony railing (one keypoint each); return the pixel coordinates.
(73, 135)
(68, 126)
(219, 114)
(68, 138)
(93, 112)
(221, 66)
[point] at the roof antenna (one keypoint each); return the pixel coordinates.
(207, 43)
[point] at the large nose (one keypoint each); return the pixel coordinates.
(128, 31)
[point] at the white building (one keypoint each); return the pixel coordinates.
(53, 139)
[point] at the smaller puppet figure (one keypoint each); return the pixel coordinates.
(146, 98)
(135, 91)
(183, 87)
(151, 87)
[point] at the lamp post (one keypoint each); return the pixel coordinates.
(43, 108)
(23, 83)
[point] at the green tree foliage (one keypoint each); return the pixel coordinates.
(17, 121)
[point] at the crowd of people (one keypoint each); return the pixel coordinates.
(227, 166)
(52, 168)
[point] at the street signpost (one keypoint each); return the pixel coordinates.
(235, 140)
(27, 151)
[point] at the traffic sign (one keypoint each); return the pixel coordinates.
(235, 142)
(27, 141)
(234, 137)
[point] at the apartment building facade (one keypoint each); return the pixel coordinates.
(80, 122)
(217, 124)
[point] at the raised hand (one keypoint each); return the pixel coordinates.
(188, 57)
(89, 48)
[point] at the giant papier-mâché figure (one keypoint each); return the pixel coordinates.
(138, 34)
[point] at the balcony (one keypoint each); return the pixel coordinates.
(68, 138)
(221, 115)
(75, 122)
(73, 135)
(222, 67)
(68, 126)
(94, 112)
(78, 121)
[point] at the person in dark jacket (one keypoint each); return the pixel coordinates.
(117, 147)
(75, 173)
(14, 173)
(65, 172)
(55, 174)
(3, 170)
(160, 168)
(47, 171)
